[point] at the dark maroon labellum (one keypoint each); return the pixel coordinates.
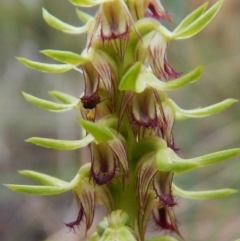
(90, 102)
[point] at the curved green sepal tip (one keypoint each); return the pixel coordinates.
(84, 17)
(61, 144)
(62, 26)
(42, 178)
(86, 3)
(182, 114)
(64, 98)
(99, 132)
(176, 83)
(132, 80)
(48, 105)
(38, 190)
(167, 160)
(65, 56)
(162, 238)
(49, 68)
(191, 18)
(192, 28)
(210, 194)
(215, 157)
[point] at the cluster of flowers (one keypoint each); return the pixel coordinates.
(127, 116)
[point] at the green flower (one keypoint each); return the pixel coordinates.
(127, 118)
(152, 52)
(100, 77)
(108, 159)
(85, 192)
(147, 8)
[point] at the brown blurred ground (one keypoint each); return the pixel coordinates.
(24, 33)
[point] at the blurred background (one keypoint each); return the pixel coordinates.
(24, 33)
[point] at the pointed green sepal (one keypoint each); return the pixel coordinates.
(176, 83)
(42, 178)
(198, 24)
(162, 238)
(182, 114)
(210, 194)
(60, 144)
(38, 190)
(60, 25)
(132, 80)
(191, 18)
(84, 17)
(215, 157)
(99, 132)
(48, 105)
(64, 98)
(167, 160)
(49, 68)
(65, 56)
(86, 3)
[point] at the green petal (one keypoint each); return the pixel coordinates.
(211, 194)
(50, 68)
(38, 190)
(60, 144)
(43, 178)
(60, 25)
(162, 238)
(65, 56)
(202, 112)
(84, 17)
(64, 98)
(48, 105)
(215, 157)
(197, 25)
(191, 18)
(132, 80)
(176, 83)
(144, 26)
(100, 132)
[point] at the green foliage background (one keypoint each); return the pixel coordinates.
(24, 33)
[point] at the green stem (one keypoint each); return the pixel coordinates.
(125, 199)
